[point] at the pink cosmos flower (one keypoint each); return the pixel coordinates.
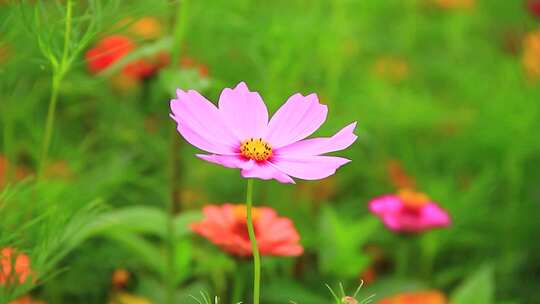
(238, 134)
(226, 227)
(409, 211)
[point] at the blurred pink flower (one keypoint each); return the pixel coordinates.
(239, 135)
(226, 227)
(409, 211)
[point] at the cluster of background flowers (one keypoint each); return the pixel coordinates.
(14, 267)
(129, 36)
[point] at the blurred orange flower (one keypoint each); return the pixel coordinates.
(391, 68)
(126, 298)
(20, 172)
(398, 176)
(455, 4)
(146, 28)
(226, 227)
(369, 275)
(319, 192)
(14, 267)
(531, 55)
(188, 63)
(27, 300)
(422, 297)
(59, 169)
(4, 52)
(120, 278)
(185, 62)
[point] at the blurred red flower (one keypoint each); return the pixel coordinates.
(391, 68)
(226, 227)
(20, 171)
(534, 7)
(108, 51)
(14, 266)
(113, 48)
(422, 297)
(189, 63)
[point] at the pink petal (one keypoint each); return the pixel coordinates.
(229, 161)
(434, 215)
(385, 204)
(392, 222)
(309, 167)
(266, 171)
(200, 123)
(244, 111)
(298, 118)
(318, 146)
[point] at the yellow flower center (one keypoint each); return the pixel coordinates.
(413, 200)
(256, 149)
(240, 212)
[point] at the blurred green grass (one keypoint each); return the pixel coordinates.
(433, 88)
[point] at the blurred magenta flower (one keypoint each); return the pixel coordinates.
(409, 211)
(239, 135)
(226, 227)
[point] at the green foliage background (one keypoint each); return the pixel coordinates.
(463, 121)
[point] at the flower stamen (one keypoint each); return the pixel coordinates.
(240, 213)
(412, 199)
(256, 149)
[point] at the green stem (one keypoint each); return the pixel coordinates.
(254, 247)
(238, 287)
(174, 159)
(58, 74)
(67, 37)
(8, 141)
(403, 255)
(49, 125)
(179, 32)
(174, 203)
